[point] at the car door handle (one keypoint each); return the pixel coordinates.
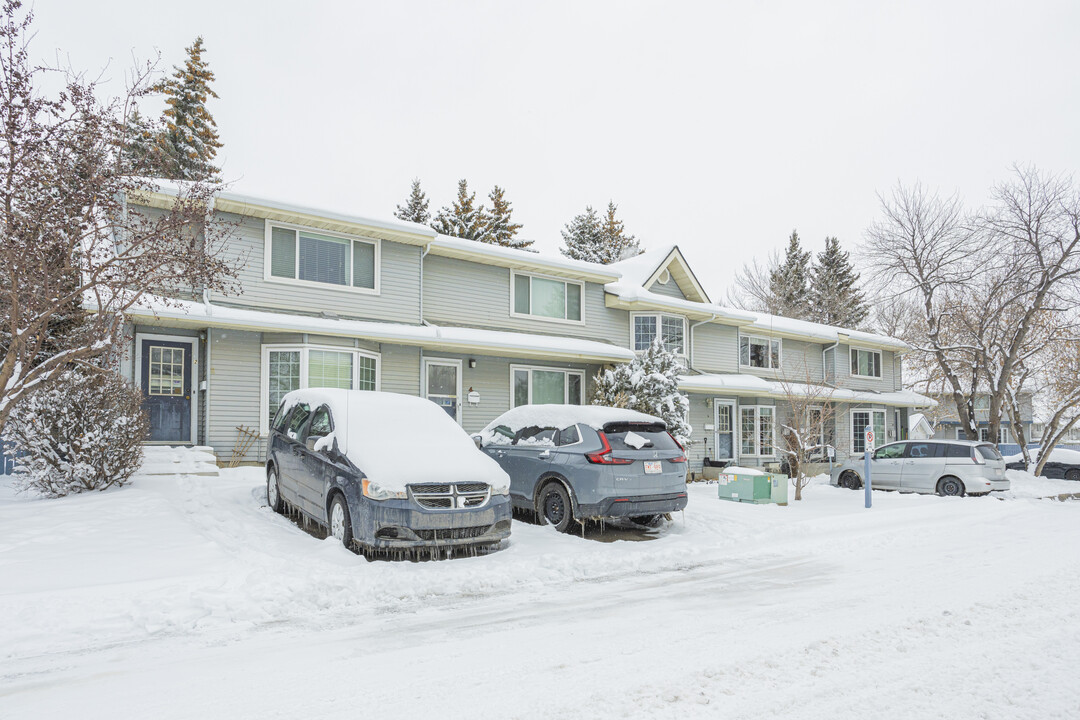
(546, 454)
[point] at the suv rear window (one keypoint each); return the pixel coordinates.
(989, 452)
(640, 436)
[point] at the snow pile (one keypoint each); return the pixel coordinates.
(559, 417)
(166, 460)
(396, 440)
(736, 470)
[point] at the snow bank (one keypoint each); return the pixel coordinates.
(397, 439)
(562, 416)
(736, 470)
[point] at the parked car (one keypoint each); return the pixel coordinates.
(945, 467)
(572, 462)
(384, 471)
(1063, 465)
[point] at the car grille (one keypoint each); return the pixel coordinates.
(450, 496)
(464, 533)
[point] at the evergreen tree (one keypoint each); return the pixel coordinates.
(463, 219)
(648, 384)
(415, 208)
(501, 229)
(142, 151)
(789, 282)
(835, 297)
(190, 140)
(605, 241)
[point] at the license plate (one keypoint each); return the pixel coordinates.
(653, 467)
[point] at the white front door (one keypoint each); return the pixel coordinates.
(724, 440)
(442, 385)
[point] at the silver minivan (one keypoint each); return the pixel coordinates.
(945, 467)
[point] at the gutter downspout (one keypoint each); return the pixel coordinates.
(824, 373)
(427, 249)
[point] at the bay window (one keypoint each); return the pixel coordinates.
(543, 297)
(294, 367)
(865, 363)
(671, 329)
(547, 386)
(294, 253)
(759, 352)
(757, 426)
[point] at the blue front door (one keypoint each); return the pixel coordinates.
(166, 382)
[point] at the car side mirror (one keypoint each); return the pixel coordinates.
(479, 441)
(310, 443)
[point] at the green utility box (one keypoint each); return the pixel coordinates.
(753, 487)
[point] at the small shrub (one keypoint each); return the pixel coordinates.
(82, 432)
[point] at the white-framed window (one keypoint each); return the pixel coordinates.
(865, 363)
(1035, 430)
(859, 420)
(294, 367)
(1003, 435)
(760, 352)
(671, 329)
(303, 255)
(534, 385)
(757, 430)
(981, 402)
(543, 297)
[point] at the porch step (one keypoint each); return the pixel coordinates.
(179, 460)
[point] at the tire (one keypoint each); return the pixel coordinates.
(848, 479)
(554, 507)
(273, 493)
(950, 487)
(339, 522)
(1073, 474)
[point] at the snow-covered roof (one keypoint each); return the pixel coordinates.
(561, 416)
(642, 270)
(397, 439)
(739, 384)
(805, 328)
(490, 342)
(523, 259)
(915, 419)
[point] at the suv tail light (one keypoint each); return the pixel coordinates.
(976, 456)
(680, 458)
(604, 456)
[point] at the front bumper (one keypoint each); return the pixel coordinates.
(400, 524)
(633, 505)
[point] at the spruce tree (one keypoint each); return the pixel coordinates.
(648, 384)
(789, 282)
(835, 297)
(501, 228)
(592, 239)
(190, 140)
(463, 218)
(142, 153)
(415, 208)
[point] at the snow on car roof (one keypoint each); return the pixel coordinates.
(396, 440)
(1061, 455)
(561, 416)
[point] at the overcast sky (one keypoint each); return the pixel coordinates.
(719, 126)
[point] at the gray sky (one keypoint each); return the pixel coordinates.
(720, 126)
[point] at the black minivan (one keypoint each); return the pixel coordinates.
(384, 471)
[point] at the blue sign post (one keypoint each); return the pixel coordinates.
(866, 463)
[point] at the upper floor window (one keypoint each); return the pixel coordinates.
(671, 329)
(546, 297)
(759, 352)
(865, 363)
(298, 254)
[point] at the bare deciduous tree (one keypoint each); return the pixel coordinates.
(70, 242)
(808, 430)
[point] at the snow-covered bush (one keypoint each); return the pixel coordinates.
(82, 432)
(648, 384)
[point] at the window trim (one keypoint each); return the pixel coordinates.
(264, 371)
(757, 430)
(767, 339)
(269, 225)
(881, 362)
(566, 386)
(529, 316)
(851, 427)
(685, 354)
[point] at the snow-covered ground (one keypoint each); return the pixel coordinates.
(184, 596)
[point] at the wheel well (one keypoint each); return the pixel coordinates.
(547, 480)
(849, 471)
(334, 492)
(270, 466)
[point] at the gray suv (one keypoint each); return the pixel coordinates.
(569, 463)
(945, 467)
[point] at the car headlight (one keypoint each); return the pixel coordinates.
(376, 492)
(497, 490)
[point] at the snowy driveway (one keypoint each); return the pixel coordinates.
(184, 597)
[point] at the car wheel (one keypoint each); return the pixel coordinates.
(950, 487)
(273, 495)
(555, 507)
(849, 480)
(340, 525)
(1073, 475)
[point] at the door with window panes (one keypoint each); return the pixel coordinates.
(724, 436)
(166, 382)
(443, 385)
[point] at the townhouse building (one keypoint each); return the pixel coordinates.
(332, 299)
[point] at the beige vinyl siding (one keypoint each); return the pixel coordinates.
(460, 292)
(716, 348)
(400, 369)
(398, 299)
(701, 439)
(234, 387)
(671, 289)
(844, 378)
(800, 361)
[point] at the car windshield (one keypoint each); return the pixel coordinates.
(989, 452)
(535, 436)
(638, 436)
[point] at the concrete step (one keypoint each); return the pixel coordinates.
(178, 460)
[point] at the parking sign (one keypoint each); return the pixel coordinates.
(869, 438)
